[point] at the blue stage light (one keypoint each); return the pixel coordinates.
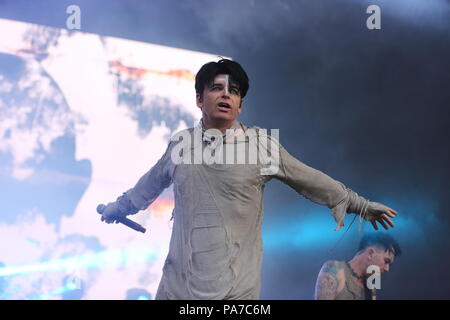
(88, 261)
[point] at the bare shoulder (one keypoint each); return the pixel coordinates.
(333, 266)
(330, 280)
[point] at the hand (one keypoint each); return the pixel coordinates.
(111, 213)
(377, 212)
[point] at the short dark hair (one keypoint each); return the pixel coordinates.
(382, 240)
(209, 71)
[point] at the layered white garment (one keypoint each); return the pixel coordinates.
(216, 249)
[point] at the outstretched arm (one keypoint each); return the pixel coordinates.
(147, 189)
(328, 282)
(322, 189)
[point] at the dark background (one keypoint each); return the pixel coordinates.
(368, 107)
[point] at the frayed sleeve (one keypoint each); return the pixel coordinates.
(316, 185)
(151, 184)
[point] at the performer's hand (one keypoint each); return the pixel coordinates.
(111, 212)
(378, 212)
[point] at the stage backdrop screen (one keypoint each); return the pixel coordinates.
(82, 118)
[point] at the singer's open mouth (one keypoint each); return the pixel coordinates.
(223, 106)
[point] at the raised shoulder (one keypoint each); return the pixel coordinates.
(260, 132)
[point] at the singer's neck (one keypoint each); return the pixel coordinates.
(221, 125)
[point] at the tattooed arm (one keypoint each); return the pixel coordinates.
(330, 281)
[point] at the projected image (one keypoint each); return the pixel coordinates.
(82, 117)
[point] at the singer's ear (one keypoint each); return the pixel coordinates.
(240, 106)
(199, 99)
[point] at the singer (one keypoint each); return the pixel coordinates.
(216, 249)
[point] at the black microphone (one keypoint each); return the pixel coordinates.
(131, 224)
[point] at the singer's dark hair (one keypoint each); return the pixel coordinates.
(209, 71)
(381, 240)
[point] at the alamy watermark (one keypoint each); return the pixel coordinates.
(374, 20)
(73, 22)
(252, 146)
(374, 280)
